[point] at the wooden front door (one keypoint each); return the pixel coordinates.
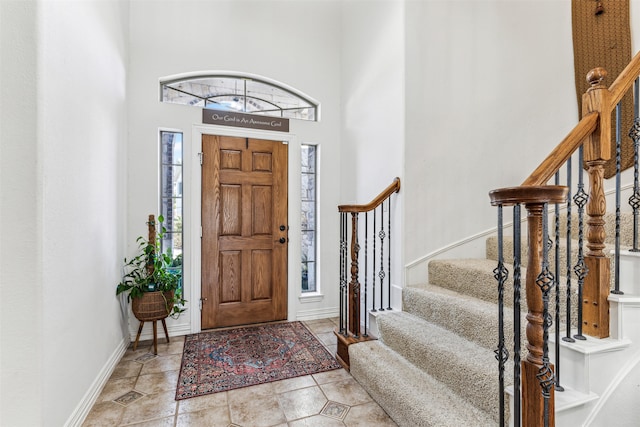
(244, 231)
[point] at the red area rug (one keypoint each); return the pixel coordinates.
(234, 358)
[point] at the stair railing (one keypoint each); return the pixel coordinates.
(355, 277)
(535, 378)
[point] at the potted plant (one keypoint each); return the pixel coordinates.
(152, 285)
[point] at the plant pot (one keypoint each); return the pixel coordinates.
(152, 306)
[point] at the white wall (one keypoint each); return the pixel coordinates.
(297, 43)
(63, 176)
(490, 92)
(373, 92)
(20, 190)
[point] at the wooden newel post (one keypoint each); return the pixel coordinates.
(537, 379)
(533, 401)
(354, 284)
(595, 303)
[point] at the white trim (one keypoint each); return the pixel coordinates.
(192, 205)
(612, 387)
(318, 313)
(83, 408)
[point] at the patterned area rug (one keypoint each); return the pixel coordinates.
(234, 358)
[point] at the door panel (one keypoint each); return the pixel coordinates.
(244, 250)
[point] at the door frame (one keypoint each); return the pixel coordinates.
(193, 210)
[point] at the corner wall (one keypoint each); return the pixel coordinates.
(63, 177)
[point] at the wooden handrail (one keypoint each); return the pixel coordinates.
(563, 151)
(624, 81)
(394, 187)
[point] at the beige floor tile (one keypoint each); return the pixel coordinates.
(293, 384)
(320, 326)
(162, 363)
(162, 422)
(212, 417)
(104, 414)
(259, 412)
(317, 421)
(154, 383)
(302, 403)
(246, 393)
(125, 369)
(130, 354)
(367, 415)
(151, 407)
(116, 388)
(199, 403)
(332, 376)
(175, 346)
(348, 392)
(327, 338)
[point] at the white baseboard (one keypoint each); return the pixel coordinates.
(147, 331)
(318, 313)
(81, 411)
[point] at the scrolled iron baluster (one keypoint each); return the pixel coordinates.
(616, 256)
(545, 282)
(366, 265)
(500, 273)
(634, 134)
(568, 338)
(373, 270)
(343, 272)
(581, 198)
(557, 288)
(517, 280)
(634, 200)
(389, 254)
(381, 274)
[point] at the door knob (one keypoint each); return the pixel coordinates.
(282, 228)
(282, 240)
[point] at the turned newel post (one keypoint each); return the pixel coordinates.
(354, 284)
(597, 150)
(537, 378)
(537, 371)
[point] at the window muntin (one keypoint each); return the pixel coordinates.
(171, 193)
(308, 217)
(242, 93)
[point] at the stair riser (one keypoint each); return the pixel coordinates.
(455, 277)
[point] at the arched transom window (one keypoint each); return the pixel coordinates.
(234, 91)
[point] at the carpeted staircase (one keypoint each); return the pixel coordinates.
(434, 362)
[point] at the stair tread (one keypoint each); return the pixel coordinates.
(459, 313)
(409, 395)
(448, 357)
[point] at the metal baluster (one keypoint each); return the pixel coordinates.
(373, 271)
(616, 256)
(343, 272)
(634, 133)
(366, 256)
(581, 198)
(569, 266)
(381, 275)
(500, 273)
(389, 252)
(545, 281)
(516, 315)
(557, 292)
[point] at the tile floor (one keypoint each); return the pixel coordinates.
(141, 392)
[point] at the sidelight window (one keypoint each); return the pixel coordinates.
(171, 194)
(308, 218)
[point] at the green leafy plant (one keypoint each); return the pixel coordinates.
(151, 270)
